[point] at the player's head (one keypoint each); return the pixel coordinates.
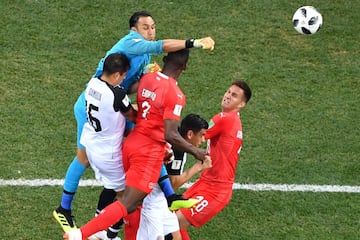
(176, 61)
(143, 23)
(236, 97)
(192, 129)
(115, 67)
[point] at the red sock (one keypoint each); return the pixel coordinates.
(108, 216)
(132, 224)
(184, 234)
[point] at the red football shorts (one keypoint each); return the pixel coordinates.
(142, 159)
(212, 199)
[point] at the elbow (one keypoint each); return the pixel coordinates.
(170, 138)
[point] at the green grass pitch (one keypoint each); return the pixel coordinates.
(301, 126)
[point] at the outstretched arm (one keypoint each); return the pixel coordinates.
(173, 137)
(173, 45)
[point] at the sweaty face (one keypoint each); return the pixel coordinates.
(198, 138)
(146, 27)
(233, 99)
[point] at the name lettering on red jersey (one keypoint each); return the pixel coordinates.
(148, 94)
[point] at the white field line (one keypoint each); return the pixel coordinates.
(236, 186)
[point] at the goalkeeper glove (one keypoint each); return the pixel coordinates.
(152, 67)
(206, 43)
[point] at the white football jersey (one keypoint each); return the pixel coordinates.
(103, 132)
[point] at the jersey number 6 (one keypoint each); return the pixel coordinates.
(94, 122)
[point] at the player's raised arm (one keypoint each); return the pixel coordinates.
(172, 45)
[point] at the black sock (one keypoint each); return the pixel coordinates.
(113, 231)
(168, 237)
(107, 197)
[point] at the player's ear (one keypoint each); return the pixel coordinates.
(116, 75)
(189, 134)
(242, 104)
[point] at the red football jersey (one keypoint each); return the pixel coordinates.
(224, 144)
(158, 98)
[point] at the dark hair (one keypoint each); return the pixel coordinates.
(245, 87)
(116, 62)
(135, 17)
(178, 59)
(192, 122)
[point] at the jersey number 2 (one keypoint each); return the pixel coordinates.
(146, 107)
